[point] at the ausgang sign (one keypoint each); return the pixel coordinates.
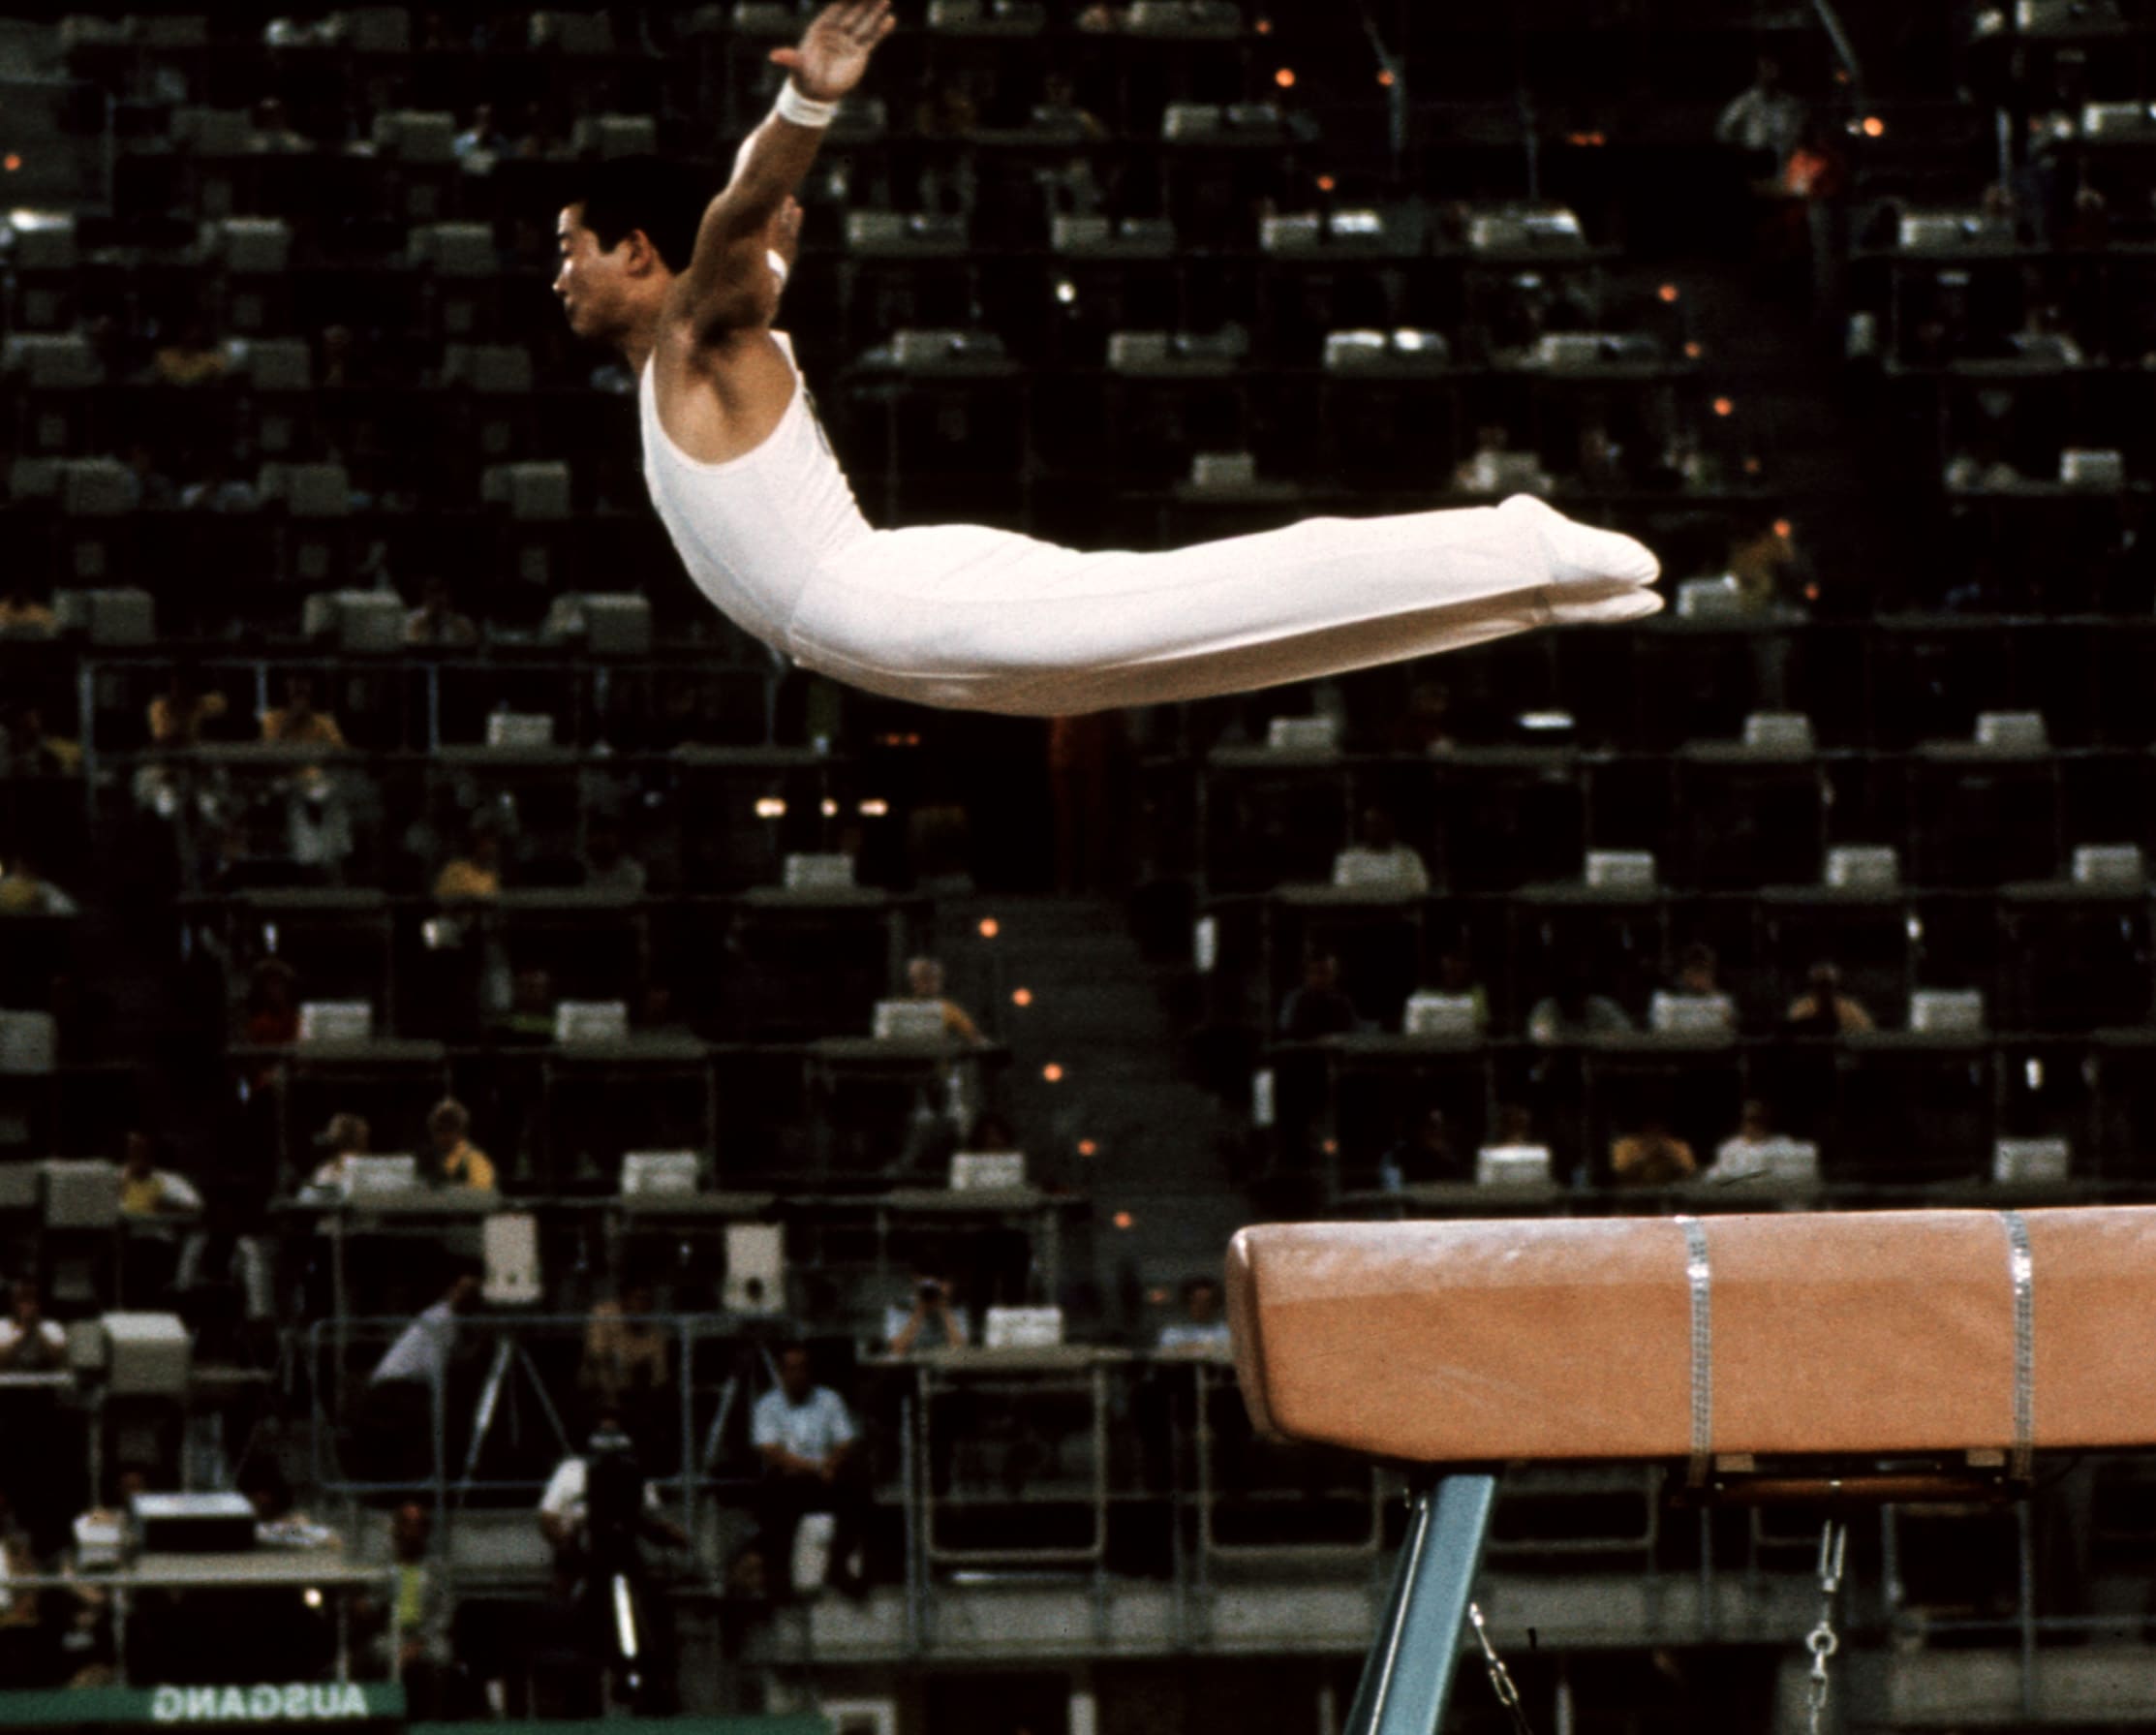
(170, 1706)
(298, 1703)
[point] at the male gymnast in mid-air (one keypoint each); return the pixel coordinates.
(685, 286)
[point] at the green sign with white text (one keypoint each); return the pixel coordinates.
(300, 1702)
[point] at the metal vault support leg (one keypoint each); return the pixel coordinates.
(1408, 1674)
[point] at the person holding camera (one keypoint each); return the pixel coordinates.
(598, 1511)
(934, 1320)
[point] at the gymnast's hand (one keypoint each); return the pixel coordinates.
(834, 51)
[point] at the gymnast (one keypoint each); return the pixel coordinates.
(685, 286)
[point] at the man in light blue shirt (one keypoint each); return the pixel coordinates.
(805, 1437)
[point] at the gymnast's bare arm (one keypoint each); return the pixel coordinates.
(722, 383)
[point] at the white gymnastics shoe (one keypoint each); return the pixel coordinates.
(1595, 576)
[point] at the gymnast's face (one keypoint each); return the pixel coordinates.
(603, 289)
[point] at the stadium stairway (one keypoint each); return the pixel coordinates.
(1118, 1120)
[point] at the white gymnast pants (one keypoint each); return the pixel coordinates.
(978, 619)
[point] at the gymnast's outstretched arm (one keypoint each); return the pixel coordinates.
(728, 284)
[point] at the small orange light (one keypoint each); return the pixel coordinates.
(1088, 1148)
(1693, 351)
(1052, 1072)
(1723, 407)
(1385, 79)
(1782, 528)
(1124, 1220)
(1331, 1147)
(1874, 127)
(1812, 593)
(1157, 1296)
(1021, 997)
(1265, 26)
(1285, 77)
(1668, 292)
(1326, 183)
(1751, 466)
(11, 162)
(990, 927)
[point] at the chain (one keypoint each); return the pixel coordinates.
(1500, 1677)
(1823, 1641)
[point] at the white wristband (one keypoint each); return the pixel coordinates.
(802, 110)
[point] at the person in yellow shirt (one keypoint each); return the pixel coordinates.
(176, 715)
(23, 614)
(463, 1163)
(296, 723)
(476, 874)
(148, 1191)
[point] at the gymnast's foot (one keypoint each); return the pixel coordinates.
(1596, 576)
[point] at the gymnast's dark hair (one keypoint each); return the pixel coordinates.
(663, 198)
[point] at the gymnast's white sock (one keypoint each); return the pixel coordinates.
(1580, 553)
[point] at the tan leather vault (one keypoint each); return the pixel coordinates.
(1855, 1332)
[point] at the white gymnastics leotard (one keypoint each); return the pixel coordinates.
(970, 618)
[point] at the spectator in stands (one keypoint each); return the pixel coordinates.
(1425, 1152)
(148, 1191)
(459, 1162)
(272, 1012)
(1762, 560)
(1495, 468)
(924, 981)
(808, 1441)
(1319, 1008)
(178, 716)
(147, 484)
(23, 1642)
(564, 1508)
(531, 1014)
(296, 723)
(342, 363)
(629, 1365)
(1425, 725)
(1981, 467)
(274, 134)
(1738, 1158)
(394, 1423)
(481, 138)
(29, 1342)
(27, 750)
(1765, 120)
(1059, 106)
(1458, 979)
(23, 615)
(608, 867)
(1822, 1010)
(475, 873)
(1572, 1012)
(24, 890)
(217, 485)
(1378, 860)
(412, 1633)
(224, 1285)
(1652, 1157)
(191, 358)
(934, 1318)
(346, 1137)
(1695, 996)
(1202, 1331)
(436, 623)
